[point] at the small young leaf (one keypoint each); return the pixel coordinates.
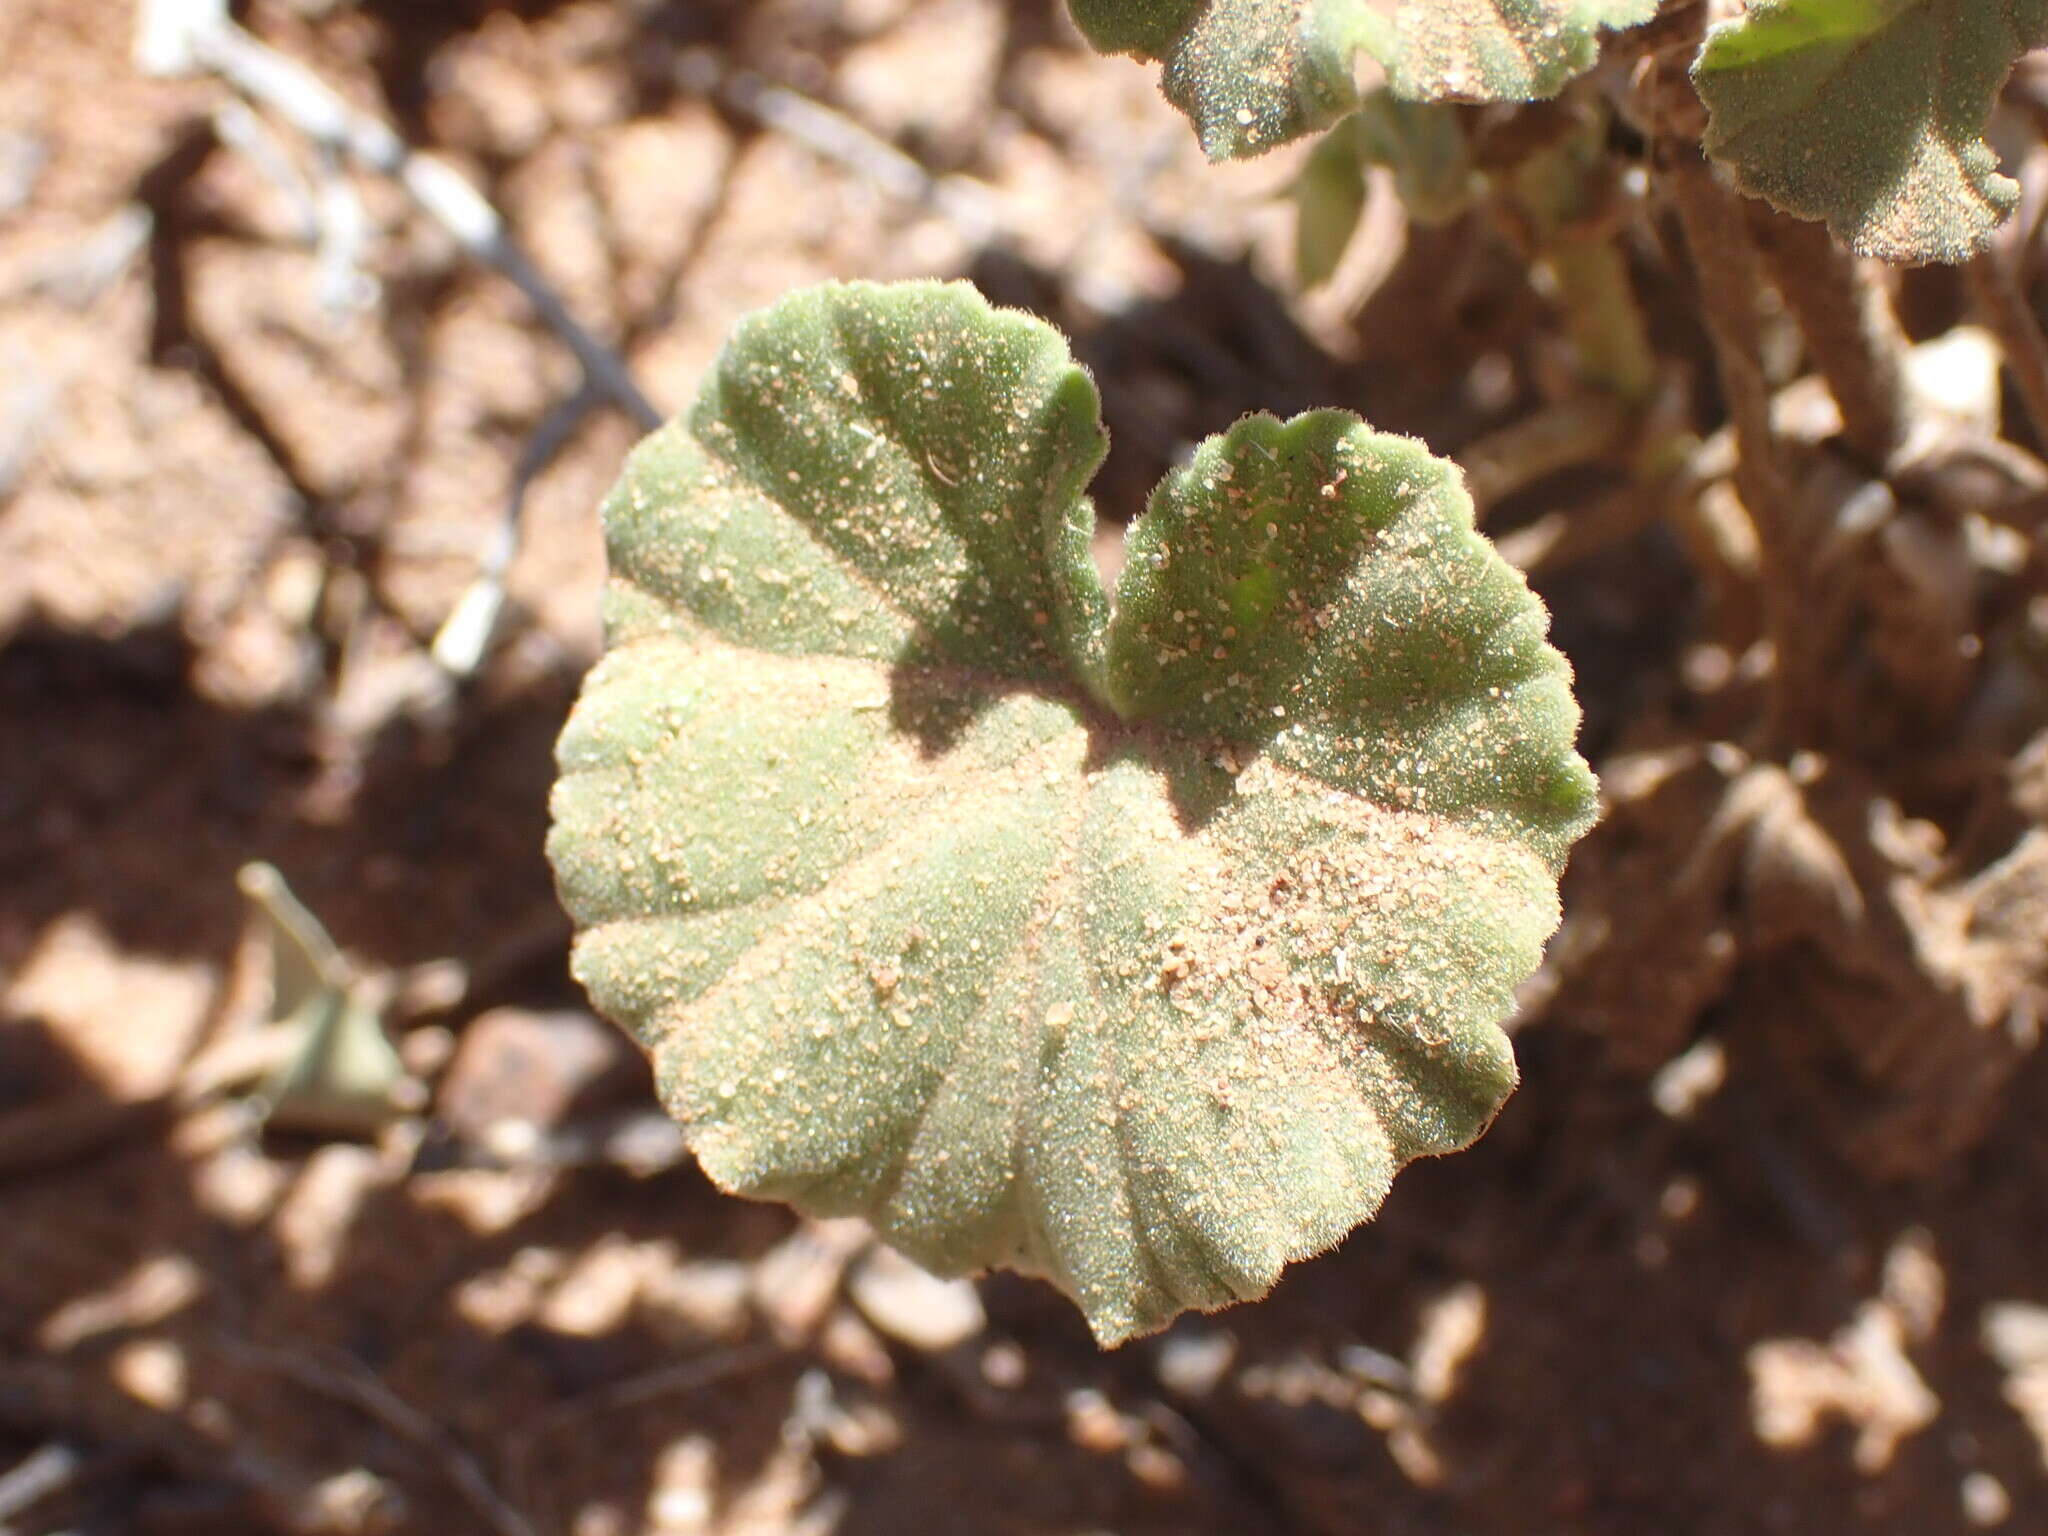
(1250, 74)
(1253, 74)
(1134, 949)
(343, 1074)
(1329, 200)
(1423, 143)
(1869, 114)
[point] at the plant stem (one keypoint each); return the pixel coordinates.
(1601, 312)
(1845, 315)
(2005, 309)
(1576, 430)
(1724, 263)
(1564, 200)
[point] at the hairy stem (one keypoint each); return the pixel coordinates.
(1608, 332)
(1724, 261)
(2004, 308)
(1578, 430)
(1851, 333)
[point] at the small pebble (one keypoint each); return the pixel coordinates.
(1193, 1364)
(912, 1306)
(1985, 1501)
(539, 1070)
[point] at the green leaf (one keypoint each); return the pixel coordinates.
(1423, 143)
(1329, 200)
(343, 1075)
(1253, 74)
(1499, 50)
(1250, 74)
(1869, 114)
(1135, 950)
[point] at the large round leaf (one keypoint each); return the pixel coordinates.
(1253, 74)
(1870, 114)
(1134, 949)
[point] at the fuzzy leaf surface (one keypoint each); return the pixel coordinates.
(1497, 50)
(1135, 951)
(1423, 143)
(1253, 74)
(1870, 114)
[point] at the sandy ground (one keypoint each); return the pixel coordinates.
(232, 517)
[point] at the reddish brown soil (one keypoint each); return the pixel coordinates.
(228, 524)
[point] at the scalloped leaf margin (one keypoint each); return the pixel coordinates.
(1869, 114)
(1135, 946)
(1255, 74)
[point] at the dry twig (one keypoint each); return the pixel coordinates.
(198, 36)
(686, 1376)
(837, 137)
(465, 635)
(35, 1477)
(349, 1381)
(1724, 263)
(2005, 310)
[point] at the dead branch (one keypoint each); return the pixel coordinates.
(2004, 308)
(198, 36)
(349, 1381)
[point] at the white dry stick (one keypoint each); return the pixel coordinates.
(236, 126)
(343, 230)
(182, 37)
(329, 216)
(466, 634)
(965, 203)
(345, 1379)
(194, 36)
(165, 30)
(35, 1478)
(968, 205)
